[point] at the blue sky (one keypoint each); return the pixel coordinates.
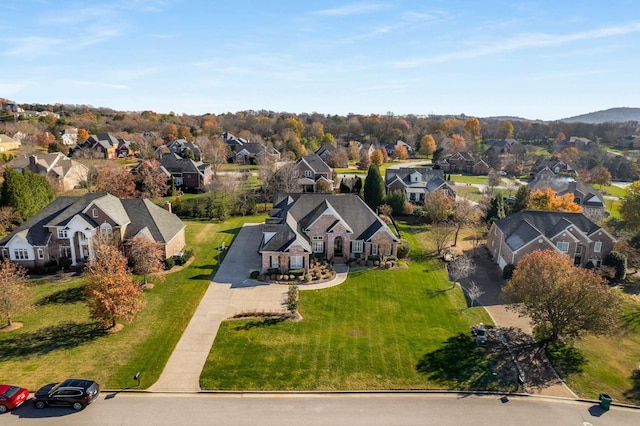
(534, 59)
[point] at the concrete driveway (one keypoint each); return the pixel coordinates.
(231, 292)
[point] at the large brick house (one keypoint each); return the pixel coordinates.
(464, 162)
(586, 196)
(336, 227)
(311, 170)
(417, 182)
(63, 173)
(511, 238)
(66, 229)
(187, 174)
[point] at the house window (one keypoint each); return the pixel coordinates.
(307, 173)
(374, 249)
(274, 261)
(5, 253)
(295, 262)
(40, 253)
(106, 231)
(317, 244)
(65, 251)
(20, 254)
(578, 249)
(597, 247)
(356, 246)
(563, 246)
(63, 233)
(94, 212)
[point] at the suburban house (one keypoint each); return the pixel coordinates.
(232, 141)
(574, 234)
(66, 229)
(187, 174)
(312, 170)
(417, 182)
(63, 173)
(252, 152)
(391, 146)
(546, 169)
(69, 136)
(328, 151)
(8, 143)
(185, 149)
(105, 145)
(335, 227)
(464, 162)
(586, 196)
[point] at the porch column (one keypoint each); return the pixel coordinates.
(73, 250)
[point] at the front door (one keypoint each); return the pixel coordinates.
(337, 247)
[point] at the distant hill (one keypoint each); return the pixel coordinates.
(611, 115)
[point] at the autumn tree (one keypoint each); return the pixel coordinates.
(353, 150)
(630, 205)
(561, 299)
(472, 126)
(44, 139)
(464, 214)
(115, 180)
(600, 176)
(14, 289)
(441, 235)
(456, 143)
(400, 152)
(83, 135)
(112, 294)
(506, 130)
(364, 161)
(376, 158)
(374, 189)
(147, 256)
(150, 180)
(437, 206)
(547, 199)
(427, 145)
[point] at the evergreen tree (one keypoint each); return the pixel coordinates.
(496, 209)
(396, 200)
(522, 199)
(27, 192)
(374, 187)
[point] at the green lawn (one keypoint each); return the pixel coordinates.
(612, 190)
(371, 332)
(59, 340)
(469, 178)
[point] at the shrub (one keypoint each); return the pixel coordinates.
(188, 254)
(51, 266)
(374, 257)
(418, 211)
(254, 275)
(292, 298)
(589, 265)
(65, 263)
(369, 262)
(296, 272)
(403, 249)
(507, 272)
(307, 277)
(169, 263)
(618, 261)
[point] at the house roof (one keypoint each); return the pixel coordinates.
(293, 213)
(176, 164)
(523, 227)
(55, 163)
(316, 163)
(404, 174)
(137, 215)
(588, 195)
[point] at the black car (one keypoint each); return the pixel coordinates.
(76, 393)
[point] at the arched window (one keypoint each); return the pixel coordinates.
(106, 231)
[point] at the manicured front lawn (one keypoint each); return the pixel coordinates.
(370, 332)
(59, 340)
(476, 179)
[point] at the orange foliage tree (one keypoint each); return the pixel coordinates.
(427, 145)
(117, 181)
(562, 300)
(547, 199)
(112, 294)
(376, 157)
(400, 152)
(457, 143)
(146, 256)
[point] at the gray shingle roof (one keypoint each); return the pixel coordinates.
(316, 163)
(162, 225)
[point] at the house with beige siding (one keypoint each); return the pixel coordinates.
(574, 234)
(336, 227)
(67, 227)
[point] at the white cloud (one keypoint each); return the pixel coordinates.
(32, 46)
(352, 9)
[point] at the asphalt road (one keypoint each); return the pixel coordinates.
(357, 409)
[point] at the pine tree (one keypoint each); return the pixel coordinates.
(374, 187)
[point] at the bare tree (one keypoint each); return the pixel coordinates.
(474, 292)
(461, 268)
(441, 236)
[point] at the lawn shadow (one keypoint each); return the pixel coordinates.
(232, 231)
(633, 394)
(630, 319)
(264, 322)
(62, 297)
(207, 277)
(566, 358)
(42, 341)
(462, 365)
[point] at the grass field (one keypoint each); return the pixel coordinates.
(370, 332)
(59, 340)
(469, 179)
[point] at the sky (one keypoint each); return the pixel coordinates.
(542, 60)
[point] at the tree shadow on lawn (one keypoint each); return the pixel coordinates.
(633, 394)
(62, 297)
(42, 341)
(264, 322)
(630, 319)
(566, 358)
(462, 365)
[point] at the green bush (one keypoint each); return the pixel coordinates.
(254, 275)
(297, 272)
(507, 272)
(51, 266)
(403, 249)
(619, 261)
(169, 263)
(65, 263)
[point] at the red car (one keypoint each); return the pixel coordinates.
(12, 397)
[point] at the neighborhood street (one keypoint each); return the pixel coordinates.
(321, 409)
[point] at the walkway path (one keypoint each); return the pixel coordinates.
(229, 293)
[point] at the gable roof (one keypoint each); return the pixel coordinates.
(404, 174)
(55, 163)
(316, 163)
(176, 164)
(523, 227)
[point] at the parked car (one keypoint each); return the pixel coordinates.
(480, 334)
(76, 393)
(12, 397)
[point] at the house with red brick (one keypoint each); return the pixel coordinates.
(464, 162)
(335, 227)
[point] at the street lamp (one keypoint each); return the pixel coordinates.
(220, 250)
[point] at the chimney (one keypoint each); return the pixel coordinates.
(573, 185)
(167, 206)
(32, 163)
